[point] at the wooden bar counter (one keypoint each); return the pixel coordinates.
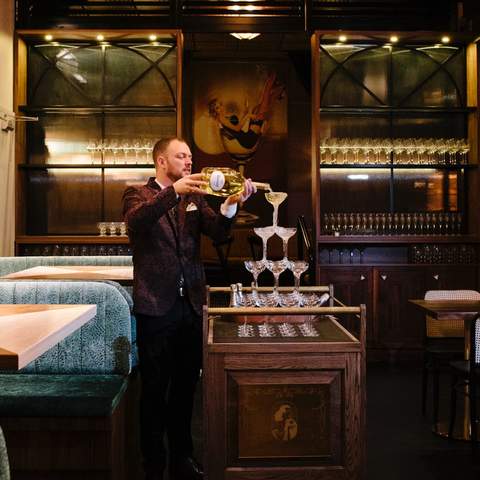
(281, 406)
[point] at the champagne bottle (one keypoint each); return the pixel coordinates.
(222, 181)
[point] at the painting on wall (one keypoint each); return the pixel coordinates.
(239, 117)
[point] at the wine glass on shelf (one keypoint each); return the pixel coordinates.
(126, 148)
(255, 267)
(298, 267)
(264, 233)
(277, 267)
(285, 234)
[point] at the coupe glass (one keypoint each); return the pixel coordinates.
(275, 198)
(298, 267)
(285, 234)
(277, 267)
(264, 233)
(255, 267)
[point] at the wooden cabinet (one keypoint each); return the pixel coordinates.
(398, 325)
(353, 286)
(394, 175)
(101, 106)
(394, 327)
(451, 277)
(283, 407)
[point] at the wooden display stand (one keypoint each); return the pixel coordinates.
(283, 406)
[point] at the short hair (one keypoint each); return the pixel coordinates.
(162, 145)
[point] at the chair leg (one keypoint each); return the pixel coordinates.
(435, 393)
(453, 406)
(472, 394)
(424, 386)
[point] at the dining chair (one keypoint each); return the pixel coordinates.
(443, 342)
(466, 373)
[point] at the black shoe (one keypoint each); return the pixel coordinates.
(185, 468)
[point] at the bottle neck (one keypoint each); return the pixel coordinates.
(262, 186)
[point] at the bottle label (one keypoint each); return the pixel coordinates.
(217, 180)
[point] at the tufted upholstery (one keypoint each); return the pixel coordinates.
(102, 346)
(4, 468)
(15, 264)
(451, 326)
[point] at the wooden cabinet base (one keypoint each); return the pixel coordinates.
(284, 409)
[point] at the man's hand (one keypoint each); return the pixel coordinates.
(190, 184)
(248, 189)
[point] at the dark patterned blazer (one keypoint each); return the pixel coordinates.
(164, 248)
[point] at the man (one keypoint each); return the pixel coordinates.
(165, 218)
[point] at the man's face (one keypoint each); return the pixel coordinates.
(177, 160)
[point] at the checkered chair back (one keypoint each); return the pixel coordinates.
(476, 341)
(451, 326)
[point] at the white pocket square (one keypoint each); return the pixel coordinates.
(191, 207)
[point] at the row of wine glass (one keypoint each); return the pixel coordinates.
(277, 267)
(445, 254)
(285, 329)
(398, 223)
(112, 228)
(136, 150)
(402, 151)
(73, 250)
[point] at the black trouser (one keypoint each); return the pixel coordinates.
(170, 354)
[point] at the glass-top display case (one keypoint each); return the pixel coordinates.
(284, 388)
(392, 137)
(101, 105)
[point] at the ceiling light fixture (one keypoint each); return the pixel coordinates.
(394, 39)
(342, 38)
(245, 36)
(445, 39)
(152, 37)
(100, 38)
(48, 38)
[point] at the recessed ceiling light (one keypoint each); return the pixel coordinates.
(48, 38)
(342, 38)
(152, 37)
(394, 39)
(245, 36)
(445, 39)
(100, 37)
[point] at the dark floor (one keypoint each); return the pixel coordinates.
(400, 442)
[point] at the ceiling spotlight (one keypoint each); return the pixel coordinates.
(394, 39)
(152, 37)
(100, 38)
(48, 38)
(342, 38)
(245, 36)
(445, 39)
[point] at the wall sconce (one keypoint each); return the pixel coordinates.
(245, 36)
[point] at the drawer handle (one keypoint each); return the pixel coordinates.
(383, 277)
(436, 276)
(362, 277)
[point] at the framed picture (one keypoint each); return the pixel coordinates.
(239, 120)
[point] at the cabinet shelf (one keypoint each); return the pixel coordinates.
(61, 109)
(405, 166)
(396, 239)
(391, 110)
(71, 239)
(26, 166)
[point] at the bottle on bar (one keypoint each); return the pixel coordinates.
(222, 181)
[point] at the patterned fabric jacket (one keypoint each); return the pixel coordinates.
(167, 246)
